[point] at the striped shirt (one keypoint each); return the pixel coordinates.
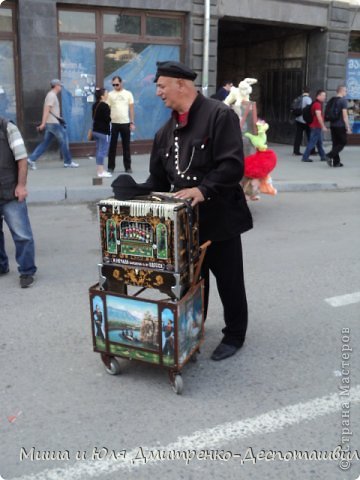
(16, 142)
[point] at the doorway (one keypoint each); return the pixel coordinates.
(274, 54)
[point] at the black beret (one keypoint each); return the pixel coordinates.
(125, 188)
(174, 70)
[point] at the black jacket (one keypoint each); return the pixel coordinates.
(101, 122)
(211, 155)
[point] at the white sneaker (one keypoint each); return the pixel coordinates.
(31, 164)
(71, 165)
(104, 174)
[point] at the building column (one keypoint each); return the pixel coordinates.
(38, 59)
(338, 45)
(196, 38)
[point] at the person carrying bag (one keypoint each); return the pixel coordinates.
(101, 130)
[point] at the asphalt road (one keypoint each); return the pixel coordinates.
(280, 393)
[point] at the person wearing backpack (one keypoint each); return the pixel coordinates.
(317, 126)
(301, 126)
(336, 113)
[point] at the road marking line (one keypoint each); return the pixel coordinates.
(342, 300)
(210, 438)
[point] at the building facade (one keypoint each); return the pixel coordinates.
(285, 44)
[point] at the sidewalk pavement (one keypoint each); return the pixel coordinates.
(51, 182)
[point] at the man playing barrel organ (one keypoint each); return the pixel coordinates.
(198, 154)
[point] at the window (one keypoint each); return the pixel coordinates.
(125, 24)
(354, 44)
(135, 63)
(97, 45)
(77, 94)
(163, 27)
(353, 82)
(5, 20)
(8, 78)
(76, 22)
(118, 54)
(353, 90)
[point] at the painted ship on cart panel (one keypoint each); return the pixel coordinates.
(132, 323)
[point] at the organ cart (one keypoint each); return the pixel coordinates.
(148, 303)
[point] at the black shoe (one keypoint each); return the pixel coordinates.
(128, 170)
(338, 165)
(308, 160)
(223, 351)
(323, 159)
(26, 281)
(297, 153)
(329, 161)
(5, 271)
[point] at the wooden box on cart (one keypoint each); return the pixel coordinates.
(163, 332)
(150, 242)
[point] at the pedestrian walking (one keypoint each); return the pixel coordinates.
(223, 91)
(317, 126)
(54, 126)
(13, 208)
(339, 125)
(121, 102)
(198, 154)
(101, 129)
(301, 126)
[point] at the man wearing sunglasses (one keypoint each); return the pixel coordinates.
(121, 103)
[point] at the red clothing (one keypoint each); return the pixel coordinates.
(316, 106)
(260, 164)
(182, 118)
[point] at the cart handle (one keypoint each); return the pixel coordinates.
(203, 249)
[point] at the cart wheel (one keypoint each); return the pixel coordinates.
(178, 384)
(114, 367)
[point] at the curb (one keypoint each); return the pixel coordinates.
(45, 195)
(304, 187)
(96, 193)
(86, 194)
(69, 194)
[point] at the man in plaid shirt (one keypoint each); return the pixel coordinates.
(13, 208)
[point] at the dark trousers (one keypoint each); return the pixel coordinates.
(124, 130)
(339, 140)
(224, 260)
(300, 129)
(299, 134)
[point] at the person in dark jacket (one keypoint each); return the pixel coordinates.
(339, 128)
(101, 130)
(198, 154)
(301, 125)
(223, 91)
